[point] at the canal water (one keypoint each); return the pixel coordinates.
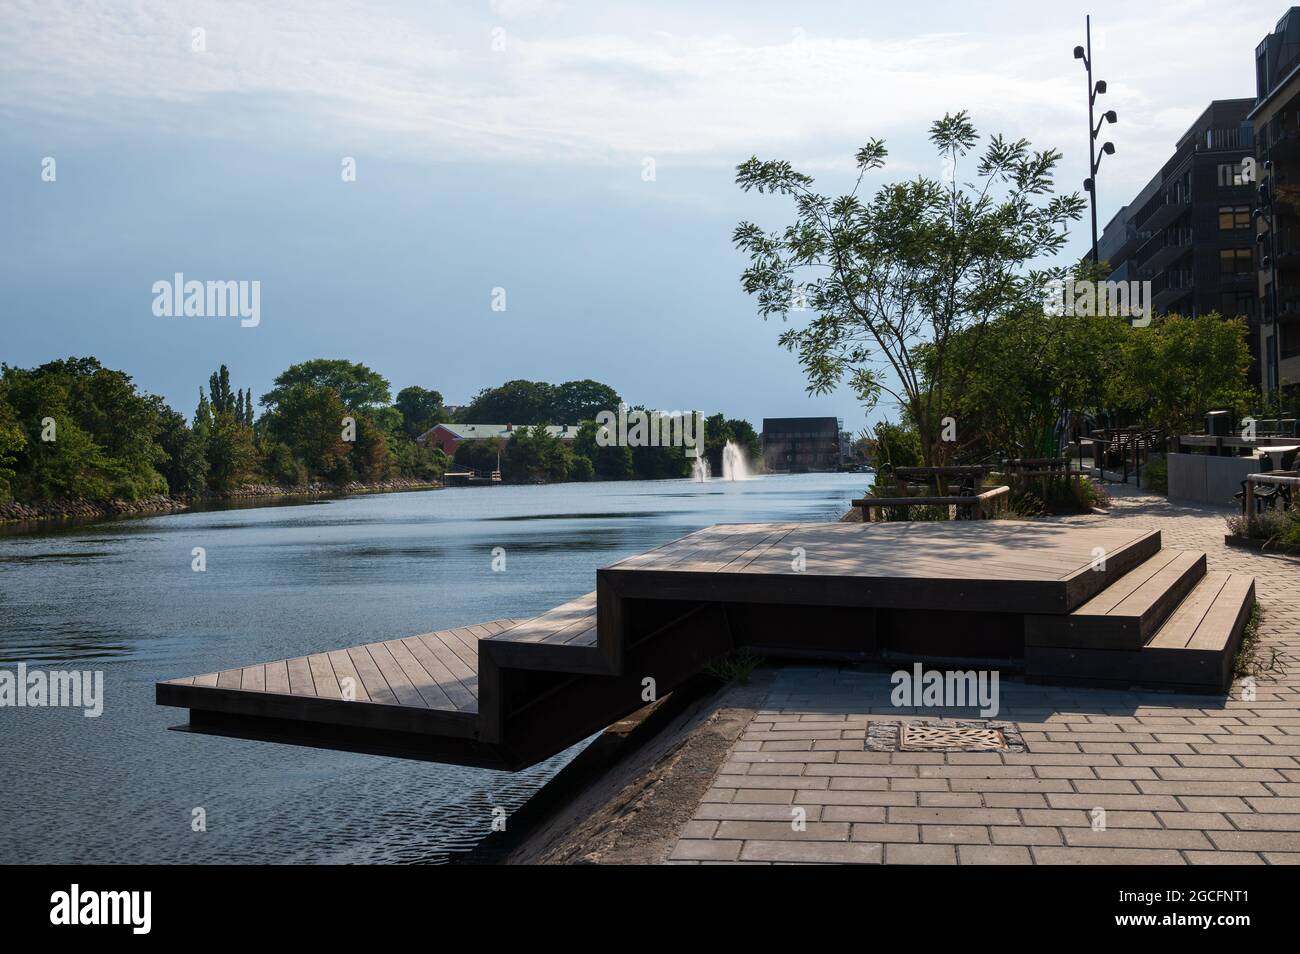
(122, 597)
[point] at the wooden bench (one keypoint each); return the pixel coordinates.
(976, 507)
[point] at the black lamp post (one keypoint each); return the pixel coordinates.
(1094, 130)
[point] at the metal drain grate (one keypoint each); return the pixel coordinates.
(938, 735)
(939, 738)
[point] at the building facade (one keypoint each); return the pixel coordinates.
(1276, 119)
(1189, 231)
(801, 444)
(450, 436)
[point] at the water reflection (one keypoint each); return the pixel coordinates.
(282, 580)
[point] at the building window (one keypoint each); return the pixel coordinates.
(1238, 304)
(1234, 217)
(1232, 174)
(1236, 261)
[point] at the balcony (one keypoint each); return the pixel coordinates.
(1164, 249)
(1284, 143)
(1163, 210)
(1170, 288)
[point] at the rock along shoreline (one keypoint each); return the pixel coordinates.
(161, 504)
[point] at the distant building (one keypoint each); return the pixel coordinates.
(799, 444)
(1277, 136)
(450, 436)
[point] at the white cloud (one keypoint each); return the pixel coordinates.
(425, 82)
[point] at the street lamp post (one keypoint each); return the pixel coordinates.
(1094, 129)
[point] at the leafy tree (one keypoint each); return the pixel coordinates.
(577, 401)
(515, 402)
(103, 443)
(282, 467)
(583, 470)
(12, 440)
(1178, 368)
(1014, 381)
(421, 409)
(534, 454)
(308, 419)
(186, 467)
(357, 386)
(896, 445)
(229, 451)
(479, 456)
(369, 455)
(612, 462)
(419, 463)
(917, 263)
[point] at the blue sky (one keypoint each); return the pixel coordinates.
(517, 167)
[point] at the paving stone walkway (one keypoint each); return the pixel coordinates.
(1175, 779)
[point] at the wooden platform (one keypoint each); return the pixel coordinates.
(1003, 566)
(1063, 604)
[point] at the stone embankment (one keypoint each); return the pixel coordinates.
(62, 509)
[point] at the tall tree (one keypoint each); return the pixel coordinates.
(357, 386)
(421, 409)
(917, 263)
(515, 402)
(576, 401)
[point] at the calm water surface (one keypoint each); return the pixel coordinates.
(288, 580)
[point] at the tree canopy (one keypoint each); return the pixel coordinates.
(912, 266)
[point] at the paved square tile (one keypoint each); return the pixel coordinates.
(1109, 777)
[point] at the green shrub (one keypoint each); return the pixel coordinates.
(736, 666)
(1155, 476)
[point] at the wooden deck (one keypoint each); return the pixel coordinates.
(1061, 604)
(1005, 565)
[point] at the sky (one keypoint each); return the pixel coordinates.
(507, 145)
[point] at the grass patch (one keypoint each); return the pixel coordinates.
(737, 666)
(1250, 659)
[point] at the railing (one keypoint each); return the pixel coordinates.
(976, 507)
(1118, 447)
(1277, 479)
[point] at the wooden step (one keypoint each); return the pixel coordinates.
(1194, 650)
(1128, 612)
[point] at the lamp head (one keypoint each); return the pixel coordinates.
(1078, 52)
(1101, 87)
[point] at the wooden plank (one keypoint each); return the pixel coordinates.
(254, 679)
(393, 675)
(229, 679)
(457, 692)
(300, 681)
(1231, 609)
(1183, 622)
(425, 684)
(376, 685)
(464, 645)
(277, 677)
(322, 675)
(448, 657)
(207, 679)
(1121, 589)
(1153, 590)
(345, 671)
